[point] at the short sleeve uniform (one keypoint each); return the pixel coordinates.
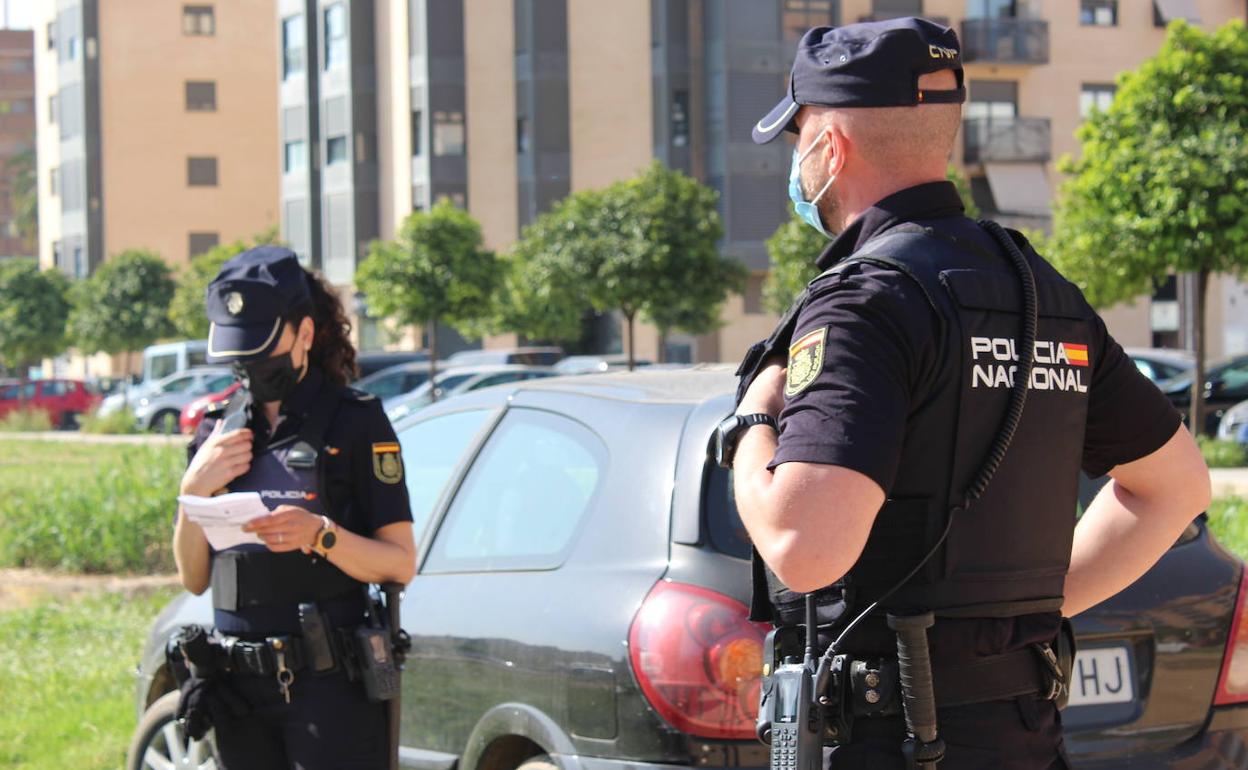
(880, 348)
(364, 494)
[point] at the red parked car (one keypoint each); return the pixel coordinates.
(63, 400)
(193, 412)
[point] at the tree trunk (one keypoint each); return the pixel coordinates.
(662, 356)
(433, 358)
(632, 343)
(1196, 409)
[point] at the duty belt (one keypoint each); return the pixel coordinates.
(874, 689)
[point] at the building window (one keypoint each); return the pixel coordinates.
(335, 36)
(201, 242)
(680, 118)
(52, 110)
(1095, 96)
(201, 96)
(201, 172)
(992, 9)
(54, 181)
(1098, 13)
(198, 20)
(294, 38)
(524, 130)
(448, 133)
(295, 157)
(418, 145)
(336, 150)
(71, 48)
(52, 36)
(80, 264)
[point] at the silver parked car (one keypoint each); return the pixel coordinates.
(158, 410)
(463, 379)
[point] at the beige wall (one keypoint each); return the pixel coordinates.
(147, 134)
(47, 134)
(609, 87)
(490, 92)
(394, 107)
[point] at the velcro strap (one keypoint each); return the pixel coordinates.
(242, 579)
(997, 677)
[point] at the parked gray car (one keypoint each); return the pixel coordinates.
(582, 588)
(158, 411)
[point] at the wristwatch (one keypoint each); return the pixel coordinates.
(728, 433)
(326, 537)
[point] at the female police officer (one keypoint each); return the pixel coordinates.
(325, 461)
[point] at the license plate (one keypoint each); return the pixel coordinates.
(1102, 676)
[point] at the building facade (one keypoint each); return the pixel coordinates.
(17, 133)
(506, 106)
(154, 129)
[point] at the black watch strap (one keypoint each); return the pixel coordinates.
(750, 420)
(732, 437)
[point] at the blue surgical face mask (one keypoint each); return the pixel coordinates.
(807, 210)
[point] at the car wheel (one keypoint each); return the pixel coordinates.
(159, 742)
(69, 421)
(164, 422)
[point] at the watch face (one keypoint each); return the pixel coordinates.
(723, 435)
(327, 540)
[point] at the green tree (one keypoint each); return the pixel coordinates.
(124, 306)
(645, 247)
(24, 198)
(186, 310)
(679, 278)
(437, 271)
(1161, 182)
(33, 310)
(794, 246)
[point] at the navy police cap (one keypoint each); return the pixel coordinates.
(248, 299)
(872, 64)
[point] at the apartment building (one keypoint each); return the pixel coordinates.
(17, 129)
(506, 106)
(157, 127)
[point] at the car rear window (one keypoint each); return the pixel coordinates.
(722, 524)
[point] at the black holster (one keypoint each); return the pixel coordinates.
(197, 664)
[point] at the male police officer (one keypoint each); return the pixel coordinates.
(901, 360)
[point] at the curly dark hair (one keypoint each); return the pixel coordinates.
(332, 350)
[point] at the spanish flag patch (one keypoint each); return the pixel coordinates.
(1077, 355)
(805, 361)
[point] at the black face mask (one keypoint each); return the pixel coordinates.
(272, 379)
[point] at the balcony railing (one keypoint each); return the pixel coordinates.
(1005, 41)
(941, 20)
(1012, 140)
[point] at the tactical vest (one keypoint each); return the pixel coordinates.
(254, 589)
(1008, 554)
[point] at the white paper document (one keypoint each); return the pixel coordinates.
(223, 517)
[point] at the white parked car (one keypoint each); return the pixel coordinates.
(450, 382)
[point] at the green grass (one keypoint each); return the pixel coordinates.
(66, 680)
(121, 421)
(1222, 454)
(1228, 520)
(25, 421)
(88, 507)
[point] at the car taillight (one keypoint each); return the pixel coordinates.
(699, 660)
(1233, 683)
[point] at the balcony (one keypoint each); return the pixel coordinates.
(941, 20)
(1006, 140)
(1005, 41)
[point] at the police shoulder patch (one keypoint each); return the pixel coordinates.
(805, 361)
(387, 464)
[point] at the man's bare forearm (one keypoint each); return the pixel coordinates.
(1134, 521)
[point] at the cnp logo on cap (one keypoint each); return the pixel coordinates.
(248, 299)
(874, 64)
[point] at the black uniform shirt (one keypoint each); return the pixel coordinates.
(880, 354)
(881, 348)
(359, 500)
